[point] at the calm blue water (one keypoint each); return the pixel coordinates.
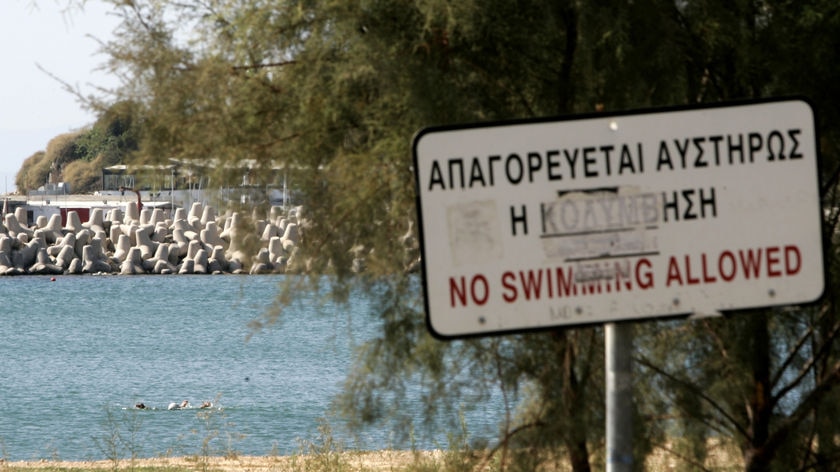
(78, 353)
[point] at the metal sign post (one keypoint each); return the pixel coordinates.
(618, 345)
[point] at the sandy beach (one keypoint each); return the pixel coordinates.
(361, 461)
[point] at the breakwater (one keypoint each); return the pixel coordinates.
(128, 240)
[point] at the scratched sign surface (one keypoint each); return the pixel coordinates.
(536, 224)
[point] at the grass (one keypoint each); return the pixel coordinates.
(119, 445)
(216, 438)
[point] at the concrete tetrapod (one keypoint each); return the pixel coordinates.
(132, 242)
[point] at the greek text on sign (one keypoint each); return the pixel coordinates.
(601, 218)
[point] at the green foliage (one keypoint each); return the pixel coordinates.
(333, 90)
(119, 440)
(83, 176)
(46, 167)
(33, 173)
(217, 435)
(78, 158)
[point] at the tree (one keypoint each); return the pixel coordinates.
(46, 167)
(78, 158)
(33, 172)
(333, 90)
(779, 365)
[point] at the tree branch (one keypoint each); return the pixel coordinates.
(693, 389)
(826, 345)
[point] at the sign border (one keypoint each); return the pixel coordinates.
(591, 116)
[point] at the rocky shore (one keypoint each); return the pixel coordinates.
(131, 241)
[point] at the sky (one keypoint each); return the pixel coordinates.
(34, 107)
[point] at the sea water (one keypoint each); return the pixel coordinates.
(77, 353)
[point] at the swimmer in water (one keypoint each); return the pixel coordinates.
(176, 406)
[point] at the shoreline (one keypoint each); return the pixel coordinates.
(386, 460)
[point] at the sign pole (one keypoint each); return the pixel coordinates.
(618, 345)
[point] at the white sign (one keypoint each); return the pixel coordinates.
(602, 218)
